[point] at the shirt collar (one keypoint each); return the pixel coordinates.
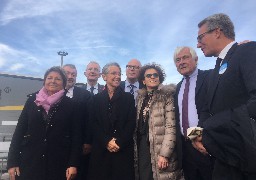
(89, 86)
(70, 92)
(136, 84)
(224, 51)
(193, 74)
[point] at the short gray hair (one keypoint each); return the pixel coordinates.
(105, 69)
(221, 21)
(70, 65)
(93, 62)
(191, 50)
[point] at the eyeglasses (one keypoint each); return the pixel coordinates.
(201, 36)
(115, 73)
(155, 75)
(132, 67)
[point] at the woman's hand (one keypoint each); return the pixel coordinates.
(71, 173)
(14, 171)
(112, 146)
(162, 162)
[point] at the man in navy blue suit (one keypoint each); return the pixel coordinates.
(83, 98)
(195, 165)
(131, 83)
(229, 117)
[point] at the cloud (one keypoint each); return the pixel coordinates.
(32, 32)
(16, 67)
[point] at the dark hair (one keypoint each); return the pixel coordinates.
(155, 66)
(221, 21)
(59, 70)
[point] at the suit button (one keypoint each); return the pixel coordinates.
(43, 156)
(45, 140)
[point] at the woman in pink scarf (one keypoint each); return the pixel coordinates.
(47, 141)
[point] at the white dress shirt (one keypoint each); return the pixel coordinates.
(70, 92)
(135, 89)
(95, 90)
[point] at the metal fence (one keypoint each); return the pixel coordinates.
(3, 163)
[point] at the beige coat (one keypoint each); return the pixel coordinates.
(162, 131)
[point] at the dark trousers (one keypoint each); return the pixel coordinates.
(222, 171)
(112, 166)
(144, 159)
(83, 169)
(196, 166)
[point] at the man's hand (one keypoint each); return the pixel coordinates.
(87, 148)
(244, 42)
(198, 145)
(13, 172)
(71, 173)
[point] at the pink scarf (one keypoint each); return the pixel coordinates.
(46, 101)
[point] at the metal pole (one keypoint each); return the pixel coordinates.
(62, 53)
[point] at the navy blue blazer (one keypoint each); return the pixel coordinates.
(200, 97)
(229, 119)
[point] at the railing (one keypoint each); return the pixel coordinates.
(3, 163)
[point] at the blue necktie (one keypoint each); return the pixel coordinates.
(91, 89)
(131, 86)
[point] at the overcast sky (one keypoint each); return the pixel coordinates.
(32, 32)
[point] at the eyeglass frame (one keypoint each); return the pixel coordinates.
(201, 36)
(132, 67)
(155, 75)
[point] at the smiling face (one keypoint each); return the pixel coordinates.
(92, 72)
(53, 83)
(184, 62)
(71, 74)
(151, 80)
(112, 77)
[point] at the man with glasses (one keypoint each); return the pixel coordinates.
(92, 73)
(189, 101)
(131, 83)
(228, 120)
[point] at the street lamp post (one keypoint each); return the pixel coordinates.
(62, 53)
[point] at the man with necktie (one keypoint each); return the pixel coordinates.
(83, 100)
(228, 120)
(92, 74)
(189, 101)
(131, 83)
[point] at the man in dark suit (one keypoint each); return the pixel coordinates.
(92, 73)
(196, 166)
(131, 83)
(83, 99)
(229, 118)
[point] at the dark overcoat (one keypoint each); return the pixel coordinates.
(43, 150)
(113, 118)
(229, 119)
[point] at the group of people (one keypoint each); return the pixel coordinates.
(137, 129)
